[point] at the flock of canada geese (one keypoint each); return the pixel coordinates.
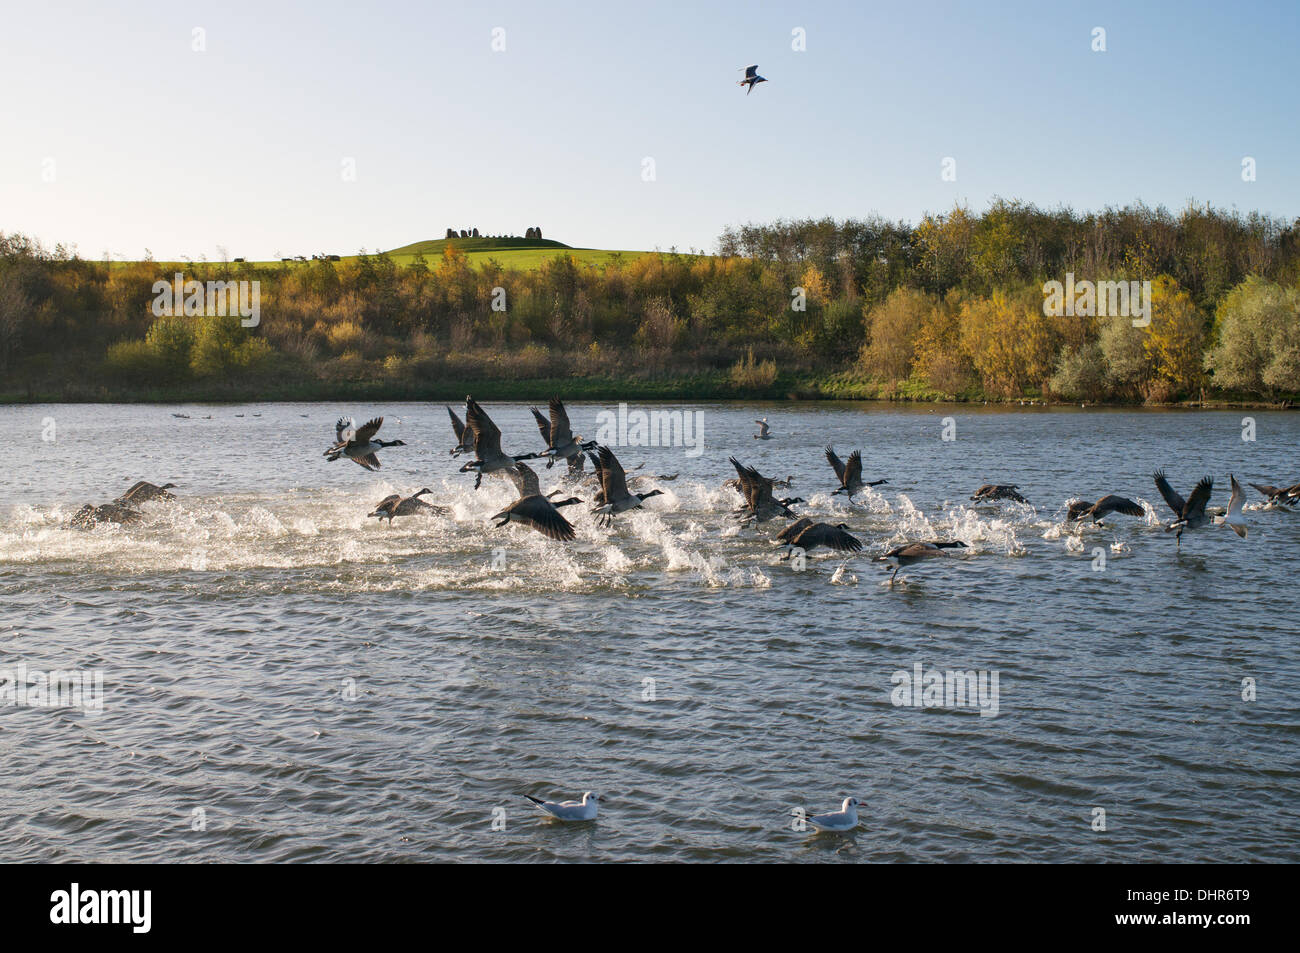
(614, 492)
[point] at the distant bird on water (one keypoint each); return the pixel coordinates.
(849, 474)
(144, 491)
(751, 79)
(764, 432)
(1233, 519)
(807, 535)
(397, 505)
(1279, 494)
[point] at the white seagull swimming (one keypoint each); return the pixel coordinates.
(845, 819)
(584, 810)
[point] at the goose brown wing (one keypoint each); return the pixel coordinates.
(366, 433)
(561, 432)
(612, 478)
(832, 537)
(1200, 496)
(457, 425)
(836, 464)
(539, 513)
(1117, 504)
(369, 461)
(853, 469)
(788, 534)
(525, 480)
(1176, 502)
(487, 436)
(543, 425)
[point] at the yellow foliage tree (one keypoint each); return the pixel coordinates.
(1176, 337)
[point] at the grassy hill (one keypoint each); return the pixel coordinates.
(522, 253)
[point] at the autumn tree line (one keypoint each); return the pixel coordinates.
(950, 308)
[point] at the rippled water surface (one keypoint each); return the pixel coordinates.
(301, 683)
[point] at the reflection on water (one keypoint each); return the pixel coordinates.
(300, 682)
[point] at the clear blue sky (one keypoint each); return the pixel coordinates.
(241, 146)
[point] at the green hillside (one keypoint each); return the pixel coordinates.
(522, 253)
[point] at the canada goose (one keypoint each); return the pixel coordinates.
(359, 445)
(751, 79)
(764, 432)
(89, 515)
(533, 509)
(560, 439)
(845, 819)
(806, 535)
(584, 810)
(1081, 509)
(760, 504)
(910, 553)
(464, 436)
(998, 491)
(488, 457)
(144, 491)
(1233, 518)
(1286, 494)
(849, 474)
(1190, 512)
(614, 496)
(397, 505)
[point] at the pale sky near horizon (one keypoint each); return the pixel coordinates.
(118, 136)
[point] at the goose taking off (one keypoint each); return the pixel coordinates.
(584, 810)
(751, 79)
(533, 509)
(806, 535)
(1233, 518)
(764, 432)
(760, 504)
(1285, 494)
(144, 491)
(359, 445)
(910, 553)
(1190, 513)
(1082, 509)
(397, 505)
(845, 819)
(464, 436)
(998, 491)
(849, 474)
(487, 445)
(561, 443)
(614, 496)
(89, 515)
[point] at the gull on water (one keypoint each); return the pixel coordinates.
(845, 819)
(584, 810)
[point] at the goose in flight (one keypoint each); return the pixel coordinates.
(845, 819)
(998, 491)
(910, 553)
(1189, 513)
(1233, 518)
(488, 457)
(359, 445)
(584, 810)
(751, 79)
(1082, 509)
(760, 504)
(561, 442)
(397, 505)
(807, 535)
(464, 436)
(1279, 494)
(533, 509)
(849, 474)
(764, 432)
(144, 491)
(614, 496)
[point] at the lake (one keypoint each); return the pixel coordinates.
(285, 679)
